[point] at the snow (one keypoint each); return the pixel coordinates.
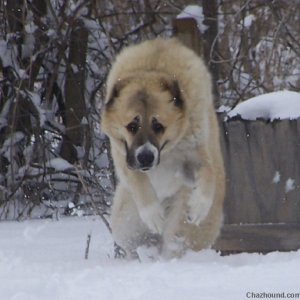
(84, 121)
(75, 68)
(15, 138)
(276, 177)
(224, 109)
(102, 161)
(59, 164)
(5, 54)
(289, 185)
(90, 24)
(277, 105)
(36, 100)
(44, 259)
(195, 12)
(30, 28)
(22, 73)
(247, 22)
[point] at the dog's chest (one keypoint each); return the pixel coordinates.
(166, 179)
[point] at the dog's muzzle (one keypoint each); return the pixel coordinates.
(144, 157)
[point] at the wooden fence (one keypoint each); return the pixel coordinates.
(262, 163)
(262, 204)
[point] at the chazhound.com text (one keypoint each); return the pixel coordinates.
(264, 295)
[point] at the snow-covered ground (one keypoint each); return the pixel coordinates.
(45, 260)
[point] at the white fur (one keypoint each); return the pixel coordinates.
(164, 180)
(152, 215)
(199, 205)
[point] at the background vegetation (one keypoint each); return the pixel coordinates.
(54, 58)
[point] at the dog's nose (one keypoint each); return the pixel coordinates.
(145, 159)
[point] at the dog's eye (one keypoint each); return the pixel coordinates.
(133, 126)
(157, 127)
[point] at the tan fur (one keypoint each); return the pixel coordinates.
(178, 203)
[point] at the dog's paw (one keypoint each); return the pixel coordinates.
(153, 216)
(198, 207)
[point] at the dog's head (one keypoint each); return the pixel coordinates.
(144, 117)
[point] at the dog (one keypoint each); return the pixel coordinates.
(160, 120)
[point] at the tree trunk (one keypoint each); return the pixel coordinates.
(210, 43)
(17, 116)
(75, 107)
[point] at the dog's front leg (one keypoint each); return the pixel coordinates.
(202, 180)
(202, 196)
(148, 205)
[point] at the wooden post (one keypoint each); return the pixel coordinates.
(186, 30)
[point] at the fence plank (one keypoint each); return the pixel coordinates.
(260, 143)
(258, 238)
(239, 181)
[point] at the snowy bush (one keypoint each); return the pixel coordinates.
(259, 49)
(52, 148)
(54, 58)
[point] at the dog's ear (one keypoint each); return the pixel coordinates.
(173, 87)
(115, 92)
